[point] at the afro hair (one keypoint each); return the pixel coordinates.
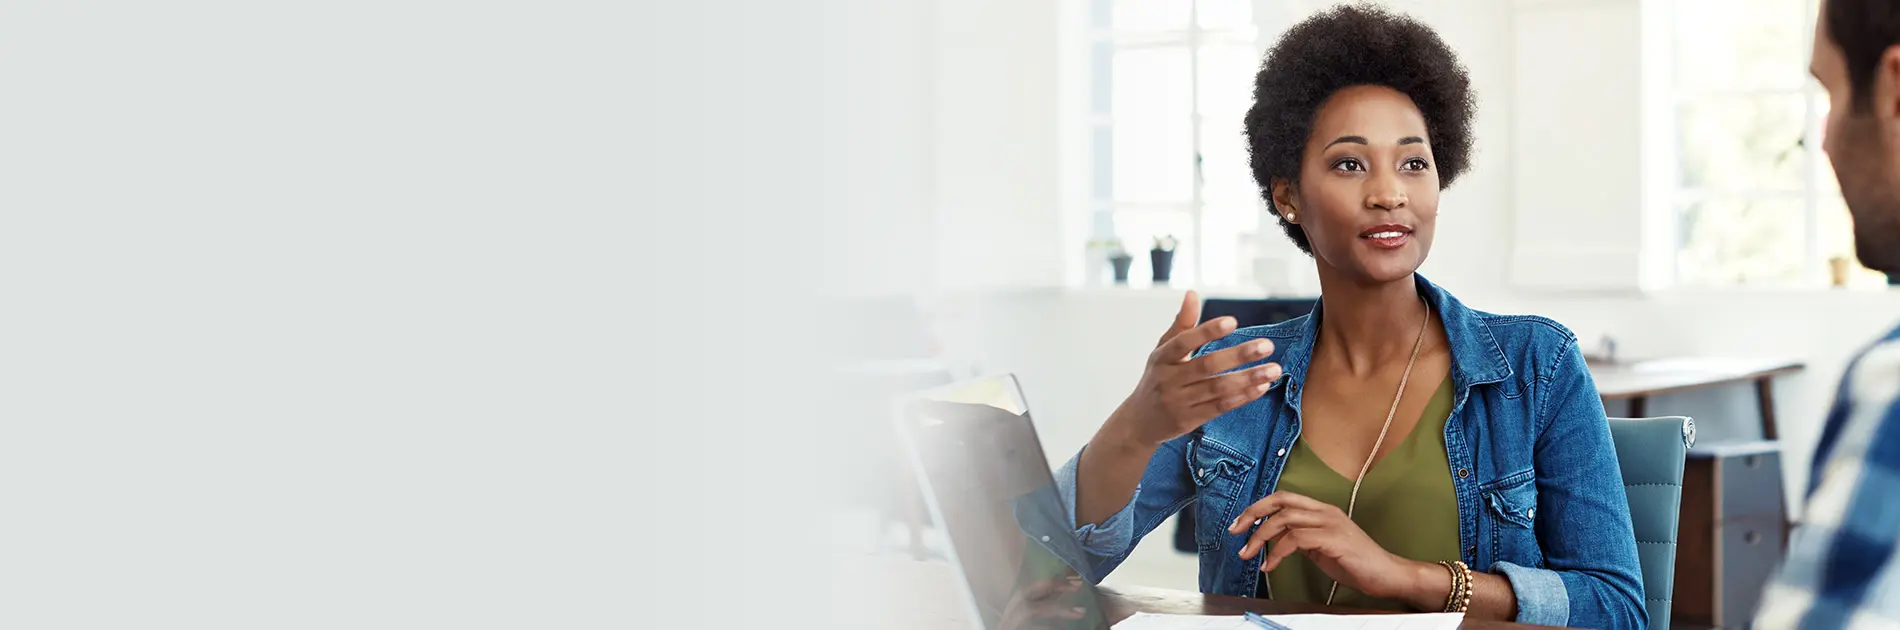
(1342, 47)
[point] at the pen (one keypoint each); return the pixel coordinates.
(1263, 622)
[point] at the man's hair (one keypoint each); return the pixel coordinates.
(1863, 29)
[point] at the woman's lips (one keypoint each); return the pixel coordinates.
(1387, 236)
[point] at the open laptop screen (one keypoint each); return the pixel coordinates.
(986, 481)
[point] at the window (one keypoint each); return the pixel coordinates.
(1172, 81)
(1756, 202)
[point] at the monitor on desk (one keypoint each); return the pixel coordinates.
(987, 483)
(1256, 312)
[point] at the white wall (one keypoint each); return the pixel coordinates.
(393, 313)
(1578, 165)
(951, 140)
(873, 128)
(998, 91)
(1079, 351)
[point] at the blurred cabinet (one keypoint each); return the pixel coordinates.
(1733, 530)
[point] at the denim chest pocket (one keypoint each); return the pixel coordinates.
(1511, 502)
(1219, 473)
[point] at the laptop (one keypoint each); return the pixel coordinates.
(988, 487)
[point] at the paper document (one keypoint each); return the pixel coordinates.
(1425, 621)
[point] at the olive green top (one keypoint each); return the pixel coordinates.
(1406, 504)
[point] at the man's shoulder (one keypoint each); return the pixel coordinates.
(1861, 442)
(1871, 393)
(1847, 539)
(1873, 379)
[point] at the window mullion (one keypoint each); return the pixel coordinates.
(1194, 130)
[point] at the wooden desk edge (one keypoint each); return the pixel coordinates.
(1122, 602)
(1746, 377)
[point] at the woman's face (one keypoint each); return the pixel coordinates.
(1368, 191)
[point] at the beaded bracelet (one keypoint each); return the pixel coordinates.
(1459, 598)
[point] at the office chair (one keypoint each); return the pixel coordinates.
(1258, 312)
(1651, 452)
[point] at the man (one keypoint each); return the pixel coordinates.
(1841, 569)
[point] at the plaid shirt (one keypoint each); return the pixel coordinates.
(1841, 570)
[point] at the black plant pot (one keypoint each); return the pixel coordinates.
(1163, 263)
(1121, 264)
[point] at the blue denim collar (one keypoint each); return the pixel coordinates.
(1476, 356)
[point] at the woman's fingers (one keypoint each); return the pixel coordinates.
(1184, 319)
(1286, 545)
(1297, 500)
(1044, 589)
(1254, 514)
(1279, 523)
(1215, 363)
(1270, 504)
(1039, 603)
(1227, 392)
(1177, 349)
(1251, 382)
(1214, 408)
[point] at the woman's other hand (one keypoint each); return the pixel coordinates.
(1044, 605)
(1179, 392)
(1296, 523)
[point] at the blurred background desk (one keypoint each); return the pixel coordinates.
(1637, 381)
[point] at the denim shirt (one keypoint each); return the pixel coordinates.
(1540, 495)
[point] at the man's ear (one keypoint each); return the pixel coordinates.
(1886, 93)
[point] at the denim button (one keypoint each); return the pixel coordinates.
(1045, 539)
(1530, 513)
(1472, 551)
(1464, 472)
(1203, 472)
(1282, 453)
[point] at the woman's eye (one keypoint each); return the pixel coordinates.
(1416, 164)
(1349, 164)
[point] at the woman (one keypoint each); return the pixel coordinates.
(1393, 449)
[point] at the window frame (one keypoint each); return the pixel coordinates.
(1103, 42)
(1812, 193)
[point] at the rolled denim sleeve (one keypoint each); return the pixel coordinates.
(1591, 577)
(1542, 598)
(1113, 534)
(1163, 490)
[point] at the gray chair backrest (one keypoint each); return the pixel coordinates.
(1651, 452)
